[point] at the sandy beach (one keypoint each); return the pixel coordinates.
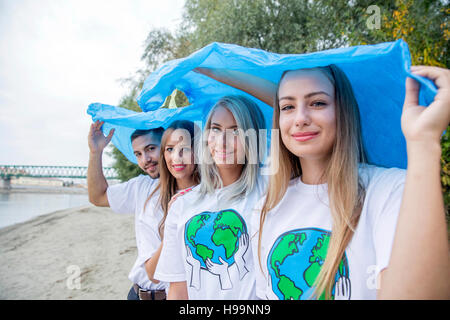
(81, 253)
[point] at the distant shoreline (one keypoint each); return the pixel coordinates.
(40, 189)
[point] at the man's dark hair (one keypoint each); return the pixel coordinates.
(156, 133)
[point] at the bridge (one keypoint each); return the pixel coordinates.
(15, 171)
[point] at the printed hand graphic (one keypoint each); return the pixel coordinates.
(239, 255)
(222, 271)
(195, 270)
(342, 289)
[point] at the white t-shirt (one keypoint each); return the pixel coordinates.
(130, 197)
(296, 233)
(207, 244)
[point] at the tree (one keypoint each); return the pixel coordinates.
(124, 168)
(159, 47)
(424, 25)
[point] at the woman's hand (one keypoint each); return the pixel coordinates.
(420, 269)
(426, 124)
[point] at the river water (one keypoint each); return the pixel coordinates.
(18, 207)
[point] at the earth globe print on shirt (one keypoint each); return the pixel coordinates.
(295, 261)
(217, 239)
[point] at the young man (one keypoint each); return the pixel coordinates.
(130, 197)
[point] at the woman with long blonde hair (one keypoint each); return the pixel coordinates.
(206, 251)
(320, 147)
(332, 226)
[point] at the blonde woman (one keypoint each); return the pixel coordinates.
(333, 227)
(206, 251)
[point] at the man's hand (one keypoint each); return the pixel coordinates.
(97, 184)
(96, 140)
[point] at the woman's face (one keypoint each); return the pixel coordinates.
(307, 114)
(223, 139)
(178, 155)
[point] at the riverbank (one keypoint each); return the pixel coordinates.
(81, 253)
(42, 189)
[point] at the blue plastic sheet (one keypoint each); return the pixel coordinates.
(376, 72)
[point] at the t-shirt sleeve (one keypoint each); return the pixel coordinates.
(122, 197)
(170, 266)
(386, 220)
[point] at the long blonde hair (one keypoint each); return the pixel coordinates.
(345, 202)
(167, 184)
(250, 120)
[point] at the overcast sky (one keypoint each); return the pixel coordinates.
(56, 57)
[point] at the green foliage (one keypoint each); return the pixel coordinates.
(422, 24)
(124, 168)
(180, 100)
(282, 26)
(158, 48)
(445, 170)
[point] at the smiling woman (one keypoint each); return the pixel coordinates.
(320, 135)
(224, 143)
(354, 216)
(231, 136)
(178, 171)
(177, 166)
(179, 156)
(330, 219)
(206, 252)
(307, 112)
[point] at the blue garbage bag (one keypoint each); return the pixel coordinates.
(376, 72)
(125, 122)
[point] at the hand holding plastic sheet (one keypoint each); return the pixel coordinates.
(376, 72)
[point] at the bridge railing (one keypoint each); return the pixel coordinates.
(9, 171)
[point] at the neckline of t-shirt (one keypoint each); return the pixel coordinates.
(258, 184)
(191, 187)
(310, 188)
(225, 188)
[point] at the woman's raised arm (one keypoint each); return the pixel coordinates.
(419, 266)
(260, 88)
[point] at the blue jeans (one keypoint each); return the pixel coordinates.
(132, 295)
